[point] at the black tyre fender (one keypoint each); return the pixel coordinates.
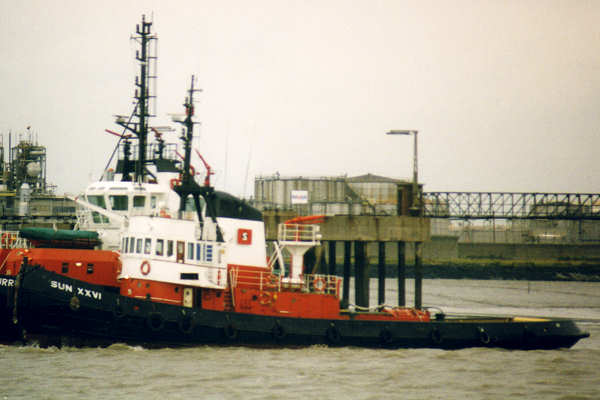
(155, 321)
(118, 311)
(74, 304)
(436, 336)
(278, 332)
(484, 337)
(186, 324)
(333, 334)
(386, 336)
(230, 332)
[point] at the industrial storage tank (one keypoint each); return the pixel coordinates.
(376, 189)
(338, 195)
(291, 192)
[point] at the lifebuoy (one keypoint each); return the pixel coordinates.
(163, 213)
(175, 182)
(145, 267)
(319, 284)
(265, 298)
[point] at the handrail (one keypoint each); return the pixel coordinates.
(12, 240)
(265, 280)
(298, 233)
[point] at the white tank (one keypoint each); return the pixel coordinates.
(33, 169)
(24, 197)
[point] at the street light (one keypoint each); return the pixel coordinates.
(415, 200)
(416, 211)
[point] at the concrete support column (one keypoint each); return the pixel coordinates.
(346, 282)
(418, 275)
(332, 244)
(361, 275)
(401, 274)
(381, 274)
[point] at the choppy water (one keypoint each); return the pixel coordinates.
(127, 372)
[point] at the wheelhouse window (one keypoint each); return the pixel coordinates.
(147, 245)
(160, 243)
(198, 251)
(180, 251)
(98, 200)
(138, 246)
(124, 245)
(169, 248)
(139, 201)
(189, 204)
(131, 244)
(190, 251)
(118, 202)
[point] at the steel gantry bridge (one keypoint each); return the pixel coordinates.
(498, 205)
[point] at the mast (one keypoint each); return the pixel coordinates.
(188, 185)
(188, 135)
(143, 94)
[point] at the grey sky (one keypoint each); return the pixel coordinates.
(505, 94)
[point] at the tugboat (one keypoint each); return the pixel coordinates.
(202, 275)
(105, 205)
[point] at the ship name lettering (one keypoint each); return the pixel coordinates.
(7, 282)
(65, 287)
(89, 293)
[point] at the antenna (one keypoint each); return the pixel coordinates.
(187, 137)
(146, 57)
(247, 169)
(226, 158)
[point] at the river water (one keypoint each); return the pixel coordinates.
(213, 372)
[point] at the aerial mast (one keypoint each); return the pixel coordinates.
(187, 136)
(147, 60)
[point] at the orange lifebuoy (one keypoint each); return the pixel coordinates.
(145, 267)
(175, 182)
(265, 298)
(319, 284)
(163, 213)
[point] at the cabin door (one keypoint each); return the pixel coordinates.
(180, 251)
(188, 297)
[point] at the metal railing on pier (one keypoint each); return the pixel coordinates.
(490, 205)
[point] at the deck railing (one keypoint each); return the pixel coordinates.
(266, 280)
(299, 233)
(12, 240)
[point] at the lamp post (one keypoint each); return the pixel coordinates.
(415, 211)
(415, 206)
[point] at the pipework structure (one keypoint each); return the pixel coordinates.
(25, 166)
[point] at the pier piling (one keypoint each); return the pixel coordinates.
(381, 273)
(361, 275)
(332, 244)
(346, 283)
(418, 275)
(401, 274)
